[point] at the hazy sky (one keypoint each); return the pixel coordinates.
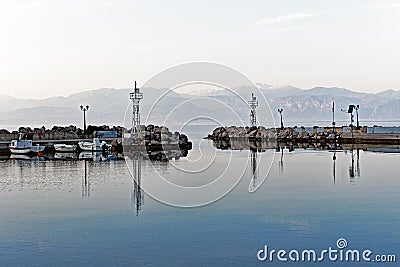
(50, 48)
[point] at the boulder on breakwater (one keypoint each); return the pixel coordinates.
(254, 132)
(287, 134)
(154, 135)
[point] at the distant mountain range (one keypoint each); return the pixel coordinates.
(161, 106)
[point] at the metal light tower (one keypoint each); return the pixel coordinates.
(280, 110)
(350, 111)
(84, 109)
(253, 103)
(356, 108)
(333, 121)
(135, 96)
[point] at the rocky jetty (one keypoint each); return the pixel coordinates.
(294, 134)
(226, 133)
(153, 135)
(287, 134)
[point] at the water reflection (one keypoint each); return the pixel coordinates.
(67, 170)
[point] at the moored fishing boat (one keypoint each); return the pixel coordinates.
(24, 146)
(96, 145)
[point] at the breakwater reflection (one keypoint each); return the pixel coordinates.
(348, 152)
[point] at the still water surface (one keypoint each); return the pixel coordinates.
(91, 213)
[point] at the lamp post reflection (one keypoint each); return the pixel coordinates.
(334, 167)
(85, 181)
(281, 162)
(280, 148)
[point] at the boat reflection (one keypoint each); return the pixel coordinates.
(25, 157)
(66, 156)
(243, 144)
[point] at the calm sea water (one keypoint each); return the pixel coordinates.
(90, 213)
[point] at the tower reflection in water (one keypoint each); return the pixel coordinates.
(253, 164)
(137, 159)
(137, 197)
(354, 169)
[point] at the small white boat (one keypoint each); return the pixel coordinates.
(65, 148)
(24, 146)
(96, 145)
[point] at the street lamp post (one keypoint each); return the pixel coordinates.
(280, 110)
(84, 109)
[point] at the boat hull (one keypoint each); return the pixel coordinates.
(89, 147)
(64, 148)
(20, 151)
(94, 146)
(36, 149)
(26, 150)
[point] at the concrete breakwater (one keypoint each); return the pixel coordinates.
(307, 134)
(150, 137)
